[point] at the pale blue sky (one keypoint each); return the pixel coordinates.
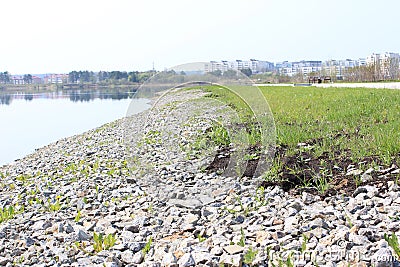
(59, 36)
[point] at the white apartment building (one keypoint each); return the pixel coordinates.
(256, 66)
(390, 66)
(303, 67)
(215, 65)
(337, 68)
(387, 65)
(373, 59)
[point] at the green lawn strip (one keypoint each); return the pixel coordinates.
(338, 124)
(365, 121)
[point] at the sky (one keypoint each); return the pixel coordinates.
(47, 36)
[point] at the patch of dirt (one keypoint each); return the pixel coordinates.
(303, 170)
(300, 172)
(222, 157)
(220, 161)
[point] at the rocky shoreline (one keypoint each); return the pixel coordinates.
(65, 194)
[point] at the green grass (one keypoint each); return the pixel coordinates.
(242, 241)
(54, 206)
(103, 242)
(201, 238)
(246, 103)
(364, 121)
(7, 213)
(393, 242)
(250, 256)
(147, 247)
(339, 125)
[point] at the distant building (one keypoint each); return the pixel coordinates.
(373, 59)
(37, 80)
(17, 80)
(215, 66)
(362, 62)
(299, 67)
(256, 66)
(387, 65)
(56, 78)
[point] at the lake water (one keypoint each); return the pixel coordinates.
(29, 121)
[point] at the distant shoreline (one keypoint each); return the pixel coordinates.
(54, 87)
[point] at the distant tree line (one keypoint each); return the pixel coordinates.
(388, 71)
(81, 77)
(5, 77)
(231, 73)
(108, 76)
(28, 78)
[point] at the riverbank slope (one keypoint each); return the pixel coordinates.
(78, 187)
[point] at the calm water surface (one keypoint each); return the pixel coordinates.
(30, 121)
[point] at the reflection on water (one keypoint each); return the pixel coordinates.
(32, 120)
(74, 95)
(5, 99)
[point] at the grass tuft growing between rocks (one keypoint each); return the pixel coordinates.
(147, 246)
(250, 256)
(393, 242)
(103, 242)
(7, 213)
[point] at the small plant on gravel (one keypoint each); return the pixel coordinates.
(346, 215)
(23, 178)
(273, 173)
(321, 184)
(33, 192)
(231, 211)
(357, 180)
(243, 209)
(242, 241)
(19, 260)
(38, 201)
(253, 156)
(95, 166)
(393, 243)
(78, 216)
(151, 137)
(81, 246)
(287, 263)
(7, 213)
(260, 197)
(304, 244)
(150, 209)
(147, 247)
(56, 206)
(103, 243)
(201, 238)
(219, 135)
(250, 256)
(85, 172)
(71, 167)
